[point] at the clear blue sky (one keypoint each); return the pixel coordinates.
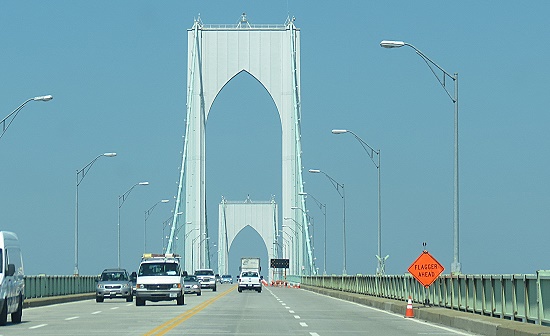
(117, 71)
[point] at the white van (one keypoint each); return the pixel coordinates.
(12, 284)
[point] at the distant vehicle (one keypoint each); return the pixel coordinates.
(160, 278)
(207, 278)
(192, 285)
(114, 283)
(218, 278)
(12, 284)
(226, 278)
(250, 264)
(250, 280)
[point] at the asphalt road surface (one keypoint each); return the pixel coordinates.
(274, 311)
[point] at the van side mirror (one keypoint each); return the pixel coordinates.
(133, 276)
(11, 270)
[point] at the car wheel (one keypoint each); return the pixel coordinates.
(240, 290)
(130, 298)
(99, 299)
(199, 293)
(16, 316)
(140, 302)
(180, 300)
(214, 289)
(259, 290)
(4, 313)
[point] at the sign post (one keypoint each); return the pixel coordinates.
(426, 269)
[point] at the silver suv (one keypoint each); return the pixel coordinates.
(114, 283)
(206, 278)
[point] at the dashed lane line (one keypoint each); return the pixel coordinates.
(303, 324)
(71, 318)
(38, 326)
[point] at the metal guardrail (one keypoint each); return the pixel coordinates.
(524, 297)
(37, 286)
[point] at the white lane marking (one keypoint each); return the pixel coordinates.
(96, 312)
(399, 315)
(71, 318)
(284, 304)
(287, 307)
(313, 334)
(291, 311)
(38, 326)
(303, 324)
(115, 307)
(296, 317)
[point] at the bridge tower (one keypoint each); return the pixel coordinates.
(216, 54)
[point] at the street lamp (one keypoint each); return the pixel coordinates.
(121, 199)
(193, 249)
(289, 250)
(14, 113)
(455, 266)
(323, 208)
(80, 174)
(380, 270)
(342, 194)
(147, 214)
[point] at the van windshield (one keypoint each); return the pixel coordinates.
(152, 269)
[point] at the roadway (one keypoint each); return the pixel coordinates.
(275, 311)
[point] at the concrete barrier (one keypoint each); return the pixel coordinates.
(49, 300)
(478, 324)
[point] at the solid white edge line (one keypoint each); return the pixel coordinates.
(398, 315)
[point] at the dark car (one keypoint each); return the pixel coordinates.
(114, 283)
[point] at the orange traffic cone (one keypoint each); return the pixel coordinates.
(409, 312)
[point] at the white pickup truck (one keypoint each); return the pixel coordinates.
(250, 280)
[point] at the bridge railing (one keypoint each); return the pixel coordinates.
(516, 297)
(37, 286)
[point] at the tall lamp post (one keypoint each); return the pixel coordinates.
(80, 174)
(193, 249)
(380, 270)
(341, 191)
(14, 113)
(323, 208)
(147, 214)
(455, 266)
(121, 199)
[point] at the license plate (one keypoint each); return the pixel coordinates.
(173, 295)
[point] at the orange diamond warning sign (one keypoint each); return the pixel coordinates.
(426, 269)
